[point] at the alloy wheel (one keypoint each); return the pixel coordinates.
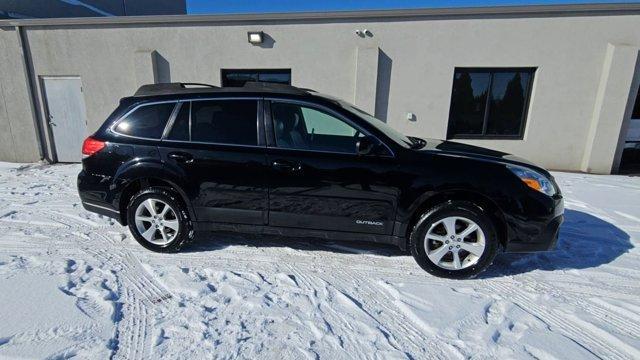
(157, 222)
(454, 243)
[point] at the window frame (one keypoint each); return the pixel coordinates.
(492, 71)
(271, 135)
(223, 72)
(259, 130)
(172, 115)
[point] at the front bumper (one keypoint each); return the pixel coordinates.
(546, 241)
(539, 233)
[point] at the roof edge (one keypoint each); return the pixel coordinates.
(491, 11)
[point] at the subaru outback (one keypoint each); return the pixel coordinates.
(173, 160)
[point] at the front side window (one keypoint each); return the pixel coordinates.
(147, 121)
(306, 128)
(225, 121)
(489, 103)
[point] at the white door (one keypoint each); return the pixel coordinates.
(67, 116)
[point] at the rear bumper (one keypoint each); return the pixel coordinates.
(93, 192)
(102, 209)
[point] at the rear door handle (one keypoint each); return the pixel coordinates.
(287, 166)
(181, 157)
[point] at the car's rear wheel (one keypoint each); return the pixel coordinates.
(454, 240)
(158, 220)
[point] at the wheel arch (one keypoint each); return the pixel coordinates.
(133, 186)
(480, 200)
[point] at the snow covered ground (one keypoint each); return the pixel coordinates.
(75, 283)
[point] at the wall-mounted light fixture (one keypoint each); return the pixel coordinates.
(364, 33)
(255, 37)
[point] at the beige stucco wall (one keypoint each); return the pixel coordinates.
(569, 53)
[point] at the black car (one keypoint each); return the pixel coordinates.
(174, 159)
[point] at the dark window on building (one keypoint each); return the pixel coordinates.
(489, 103)
(225, 121)
(180, 129)
(636, 107)
(147, 121)
(237, 78)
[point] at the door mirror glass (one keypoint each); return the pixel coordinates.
(365, 145)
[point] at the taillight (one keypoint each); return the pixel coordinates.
(91, 146)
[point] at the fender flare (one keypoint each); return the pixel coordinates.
(431, 197)
(152, 169)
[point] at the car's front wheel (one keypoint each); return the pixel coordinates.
(454, 240)
(158, 220)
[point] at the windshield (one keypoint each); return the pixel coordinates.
(392, 133)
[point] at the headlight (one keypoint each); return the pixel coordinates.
(533, 179)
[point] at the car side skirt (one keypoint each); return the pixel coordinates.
(297, 232)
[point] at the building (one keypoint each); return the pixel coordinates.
(554, 84)
(20, 9)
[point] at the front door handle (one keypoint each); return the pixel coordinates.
(287, 166)
(181, 157)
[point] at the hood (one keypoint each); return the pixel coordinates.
(477, 152)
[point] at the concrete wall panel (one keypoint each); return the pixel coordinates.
(610, 108)
(17, 132)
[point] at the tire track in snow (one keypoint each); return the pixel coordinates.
(409, 332)
(602, 290)
(326, 261)
(133, 275)
(135, 303)
(141, 295)
(50, 335)
(401, 332)
(134, 340)
(133, 271)
(628, 325)
(595, 340)
(137, 286)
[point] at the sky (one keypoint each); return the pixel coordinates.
(257, 6)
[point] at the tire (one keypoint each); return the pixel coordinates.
(434, 221)
(166, 237)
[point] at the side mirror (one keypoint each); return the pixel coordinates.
(365, 145)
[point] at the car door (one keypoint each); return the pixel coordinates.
(217, 147)
(316, 179)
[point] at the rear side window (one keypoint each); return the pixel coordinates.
(147, 121)
(225, 121)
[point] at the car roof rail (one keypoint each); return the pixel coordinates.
(168, 88)
(200, 88)
(184, 85)
(263, 85)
